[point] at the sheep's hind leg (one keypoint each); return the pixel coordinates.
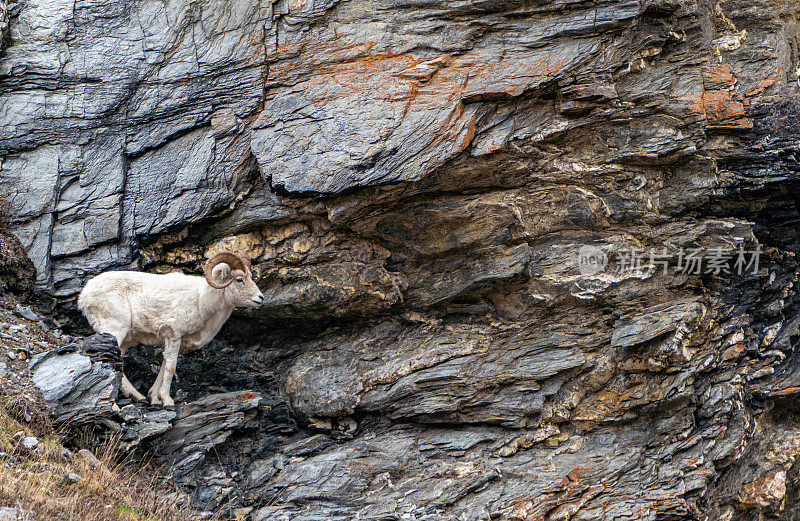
(125, 385)
(130, 391)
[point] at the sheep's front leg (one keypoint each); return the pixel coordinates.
(154, 391)
(172, 347)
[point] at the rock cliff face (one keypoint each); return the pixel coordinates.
(415, 180)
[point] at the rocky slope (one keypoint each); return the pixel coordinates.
(42, 479)
(414, 180)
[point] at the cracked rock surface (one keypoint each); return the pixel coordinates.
(414, 182)
(80, 385)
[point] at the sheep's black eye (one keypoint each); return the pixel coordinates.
(240, 280)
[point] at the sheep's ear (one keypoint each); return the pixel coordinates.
(221, 273)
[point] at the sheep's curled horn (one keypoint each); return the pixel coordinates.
(235, 261)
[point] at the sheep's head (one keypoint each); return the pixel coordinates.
(230, 272)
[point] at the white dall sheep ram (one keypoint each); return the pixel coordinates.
(175, 311)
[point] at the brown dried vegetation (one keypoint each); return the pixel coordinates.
(36, 482)
(40, 483)
(17, 272)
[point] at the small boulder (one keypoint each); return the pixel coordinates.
(15, 514)
(30, 442)
(71, 478)
(764, 491)
(87, 456)
(28, 313)
(77, 388)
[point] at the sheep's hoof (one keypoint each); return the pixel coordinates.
(136, 396)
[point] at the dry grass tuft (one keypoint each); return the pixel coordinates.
(26, 409)
(110, 488)
(36, 481)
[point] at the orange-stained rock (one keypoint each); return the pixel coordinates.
(764, 491)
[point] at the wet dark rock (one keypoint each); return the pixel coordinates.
(201, 425)
(139, 426)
